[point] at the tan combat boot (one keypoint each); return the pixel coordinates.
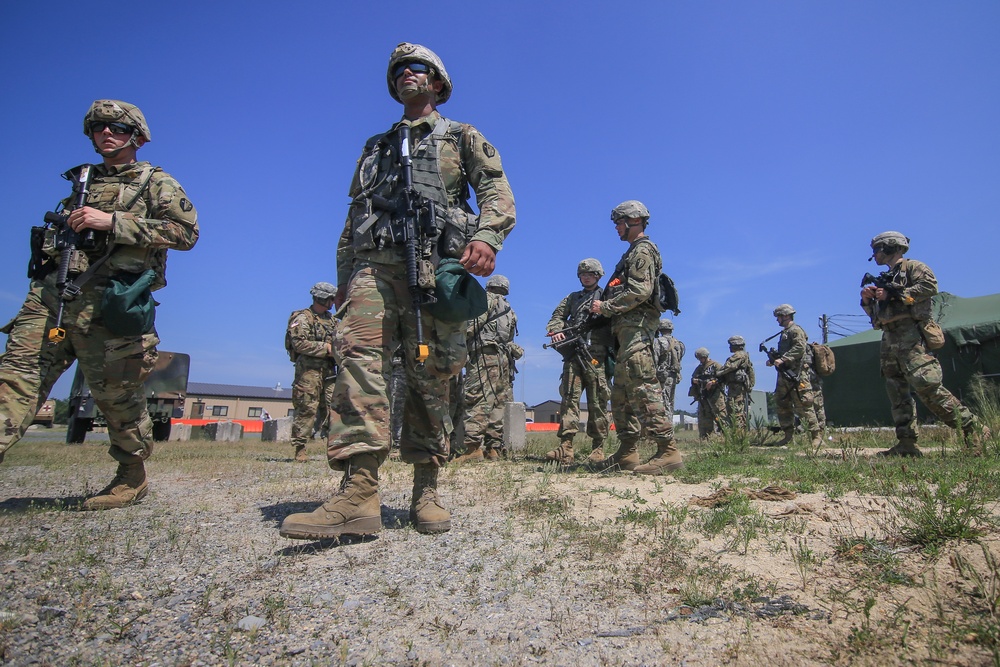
(596, 454)
(426, 511)
(815, 439)
(976, 436)
(563, 454)
(906, 447)
(474, 454)
(626, 458)
(353, 510)
(300, 454)
(666, 459)
(492, 454)
(128, 487)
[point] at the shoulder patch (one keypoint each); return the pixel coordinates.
(488, 150)
(185, 205)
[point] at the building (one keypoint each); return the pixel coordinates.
(226, 402)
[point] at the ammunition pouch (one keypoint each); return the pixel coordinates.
(39, 264)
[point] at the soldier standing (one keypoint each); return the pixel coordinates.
(632, 303)
(489, 374)
(668, 353)
(583, 365)
(131, 214)
(309, 340)
(707, 391)
(902, 310)
(738, 378)
(448, 158)
(793, 394)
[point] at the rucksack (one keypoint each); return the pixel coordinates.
(824, 362)
(292, 354)
(668, 298)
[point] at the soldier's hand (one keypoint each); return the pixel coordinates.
(557, 337)
(329, 349)
(867, 293)
(86, 217)
(479, 259)
(595, 307)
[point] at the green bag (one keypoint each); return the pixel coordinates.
(460, 297)
(128, 308)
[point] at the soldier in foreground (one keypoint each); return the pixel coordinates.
(667, 354)
(901, 307)
(793, 394)
(738, 378)
(707, 391)
(309, 340)
(124, 217)
(448, 158)
(583, 365)
(489, 374)
(632, 303)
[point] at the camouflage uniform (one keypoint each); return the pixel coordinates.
(738, 377)
(795, 398)
(906, 364)
(578, 377)
(819, 405)
(667, 354)
(489, 375)
(711, 401)
(151, 214)
(315, 372)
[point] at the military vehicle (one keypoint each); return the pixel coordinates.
(165, 389)
(46, 414)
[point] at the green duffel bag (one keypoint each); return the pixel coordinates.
(460, 297)
(128, 308)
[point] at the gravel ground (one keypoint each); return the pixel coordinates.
(538, 569)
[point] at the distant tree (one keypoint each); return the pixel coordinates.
(62, 411)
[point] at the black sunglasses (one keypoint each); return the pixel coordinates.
(416, 68)
(116, 128)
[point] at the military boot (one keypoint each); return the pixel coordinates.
(300, 454)
(666, 459)
(353, 510)
(493, 454)
(563, 454)
(906, 447)
(473, 454)
(128, 487)
(426, 511)
(787, 439)
(596, 453)
(626, 458)
(975, 434)
(815, 439)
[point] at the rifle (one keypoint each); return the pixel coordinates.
(883, 281)
(703, 382)
(574, 345)
(773, 355)
(67, 242)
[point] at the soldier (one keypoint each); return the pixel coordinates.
(632, 303)
(819, 405)
(309, 340)
(902, 310)
(793, 397)
(738, 378)
(448, 158)
(707, 391)
(132, 214)
(489, 374)
(668, 353)
(583, 365)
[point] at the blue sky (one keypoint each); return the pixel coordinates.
(770, 141)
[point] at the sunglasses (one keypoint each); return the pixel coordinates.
(116, 128)
(416, 68)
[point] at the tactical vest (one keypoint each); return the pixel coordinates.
(499, 327)
(619, 279)
(376, 213)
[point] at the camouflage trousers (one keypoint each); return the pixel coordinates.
(906, 364)
(312, 396)
(577, 379)
(378, 317)
(636, 395)
(737, 405)
(456, 390)
(114, 368)
(669, 393)
(487, 390)
(794, 399)
(819, 405)
(711, 413)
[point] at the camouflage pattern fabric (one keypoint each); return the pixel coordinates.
(819, 405)
(160, 218)
(629, 294)
(315, 372)
(711, 404)
(456, 390)
(737, 376)
(795, 399)
(397, 397)
(488, 381)
(668, 353)
(904, 359)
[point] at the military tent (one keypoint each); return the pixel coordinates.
(855, 393)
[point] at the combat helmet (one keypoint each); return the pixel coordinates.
(116, 111)
(666, 325)
(784, 309)
(499, 283)
(736, 341)
(416, 53)
(631, 208)
(323, 291)
(701, 353)
(590, 265)
(891, 239)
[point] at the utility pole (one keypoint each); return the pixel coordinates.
(824, 324)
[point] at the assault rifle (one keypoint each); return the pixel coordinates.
(574, 345)
(772, 355)
(67, 242)
(703, 382)
(883, 281)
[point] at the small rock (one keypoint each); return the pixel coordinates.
(251, 623)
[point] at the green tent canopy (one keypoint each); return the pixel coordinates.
(855, 393)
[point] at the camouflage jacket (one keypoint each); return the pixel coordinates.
(309, 333)
(700, 378)
(160, 218)
(916, 284)
(667, 355)
(631, 290)
(738, 371)
(496, 327)
(793, 348)
(574, 310)
(461, 159)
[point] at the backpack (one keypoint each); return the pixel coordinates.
(824, 362)
(292, 354)
(665, 295)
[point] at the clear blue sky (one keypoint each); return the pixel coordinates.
(770, 141)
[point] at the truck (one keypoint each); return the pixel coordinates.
(46, 414)
(165, 390)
